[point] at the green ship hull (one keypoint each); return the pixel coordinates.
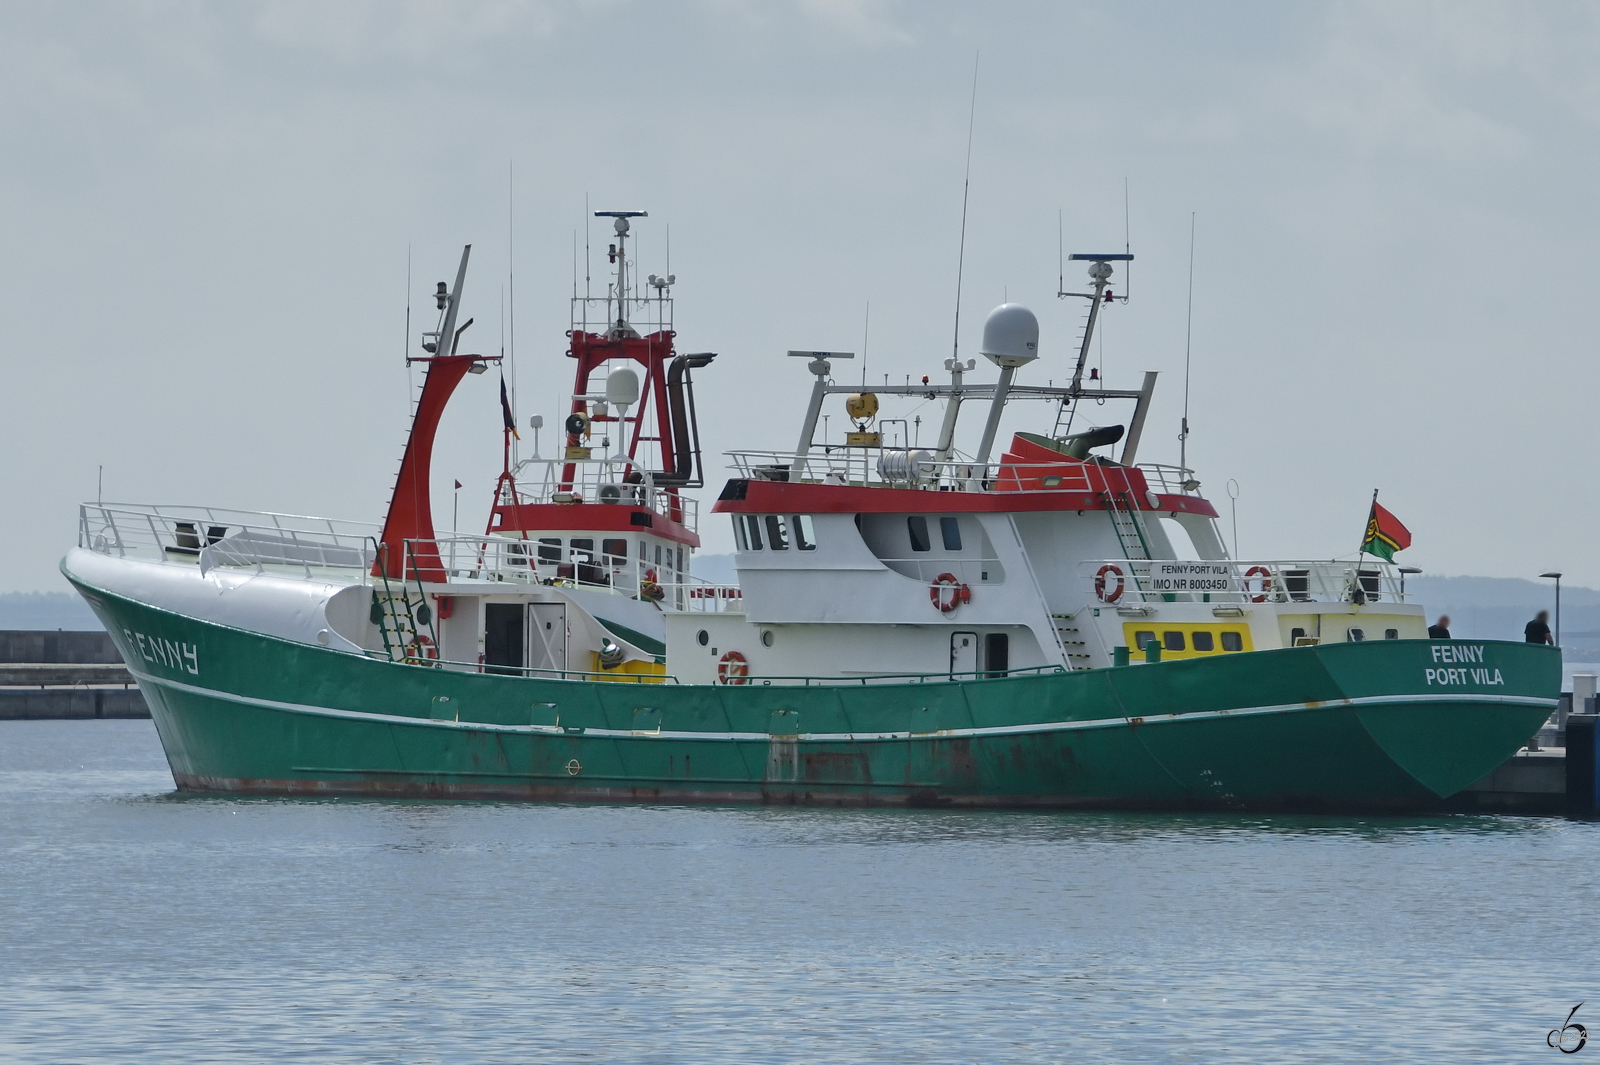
(1397, 724)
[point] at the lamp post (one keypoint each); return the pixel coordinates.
(1557, 577)
(1403, 571)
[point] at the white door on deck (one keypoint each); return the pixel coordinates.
(547, 637)
(963, 653)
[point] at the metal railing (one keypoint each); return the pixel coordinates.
(699, 596)
(1169, 480)
(531, 672)
(498, 558)
(907, 678)
(1127, 582)
(294, 543)
(599, 480)
(878, 467)
(210, 536)
(797, 680)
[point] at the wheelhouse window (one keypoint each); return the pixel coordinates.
(950, 530)
(1173, 641)
(752, 531)
(582, 549)
(917, 526)
(1203, 640)
(549, 550)
(805, 534)
(615, 550)
(777, 535)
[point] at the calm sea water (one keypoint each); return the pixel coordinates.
(138, 925)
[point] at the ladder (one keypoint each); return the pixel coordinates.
(1065, 410)
(1072, 642)
(400, 618)
(1130, 534)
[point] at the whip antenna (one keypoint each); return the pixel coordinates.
(966, 186)
(866, 328)
(1127, 244)
(1188, 332)
(411, 388)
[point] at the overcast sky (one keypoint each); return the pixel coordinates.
(207, 210)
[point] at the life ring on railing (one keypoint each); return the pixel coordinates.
(733, 669)
(421, 648)
(1266, 583)
(958, 593)
(1101, 591)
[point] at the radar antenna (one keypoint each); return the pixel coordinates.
(620, 329)
(1099, 277)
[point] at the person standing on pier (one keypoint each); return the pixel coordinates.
(1538, 630)
(1440, 630)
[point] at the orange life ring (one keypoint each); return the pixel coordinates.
(1100, 584)
(421, 648)
(733, 669)
(959, 593)
(1266, 583)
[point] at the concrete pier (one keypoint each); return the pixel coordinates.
(1529, 782)
(64, 675)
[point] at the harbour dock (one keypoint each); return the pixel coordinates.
(65, 675)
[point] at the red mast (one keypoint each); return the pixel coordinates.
(663, 407)
(408, 529)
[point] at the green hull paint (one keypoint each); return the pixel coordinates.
(1348, 726)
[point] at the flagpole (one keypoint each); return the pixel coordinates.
(1358, 594)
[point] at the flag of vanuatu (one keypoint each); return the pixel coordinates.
(1385, 534)
(505, 411)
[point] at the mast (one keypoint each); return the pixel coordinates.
(410, 517)
(1099, 277)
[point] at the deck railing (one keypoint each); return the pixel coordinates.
(542, 480)
(1127, 583)
(796, 680)
(914, 468)
(211, 536)
(704, 597)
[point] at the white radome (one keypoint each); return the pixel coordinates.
(1010, 335)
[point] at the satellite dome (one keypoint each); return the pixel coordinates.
(622, 388)
(1010, 335)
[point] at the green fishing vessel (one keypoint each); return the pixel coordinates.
(910, 626)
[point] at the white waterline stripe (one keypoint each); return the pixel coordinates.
(844, 737)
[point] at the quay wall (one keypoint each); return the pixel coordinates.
(59, 674)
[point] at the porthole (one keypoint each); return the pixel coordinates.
(766, 638)
(703, 637)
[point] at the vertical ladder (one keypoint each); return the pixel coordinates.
(395, 617)
(1130, 534)
(1068, 410)
(399, 618)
